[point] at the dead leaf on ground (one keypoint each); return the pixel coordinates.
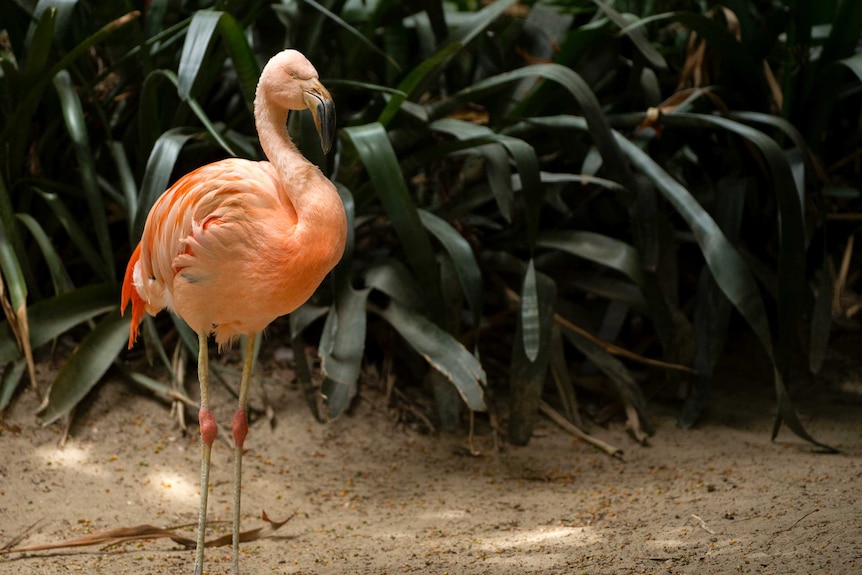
(141, 532)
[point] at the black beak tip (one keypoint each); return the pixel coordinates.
(326, 113)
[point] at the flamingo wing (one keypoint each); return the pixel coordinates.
(208, 223)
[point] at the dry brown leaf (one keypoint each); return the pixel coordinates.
(140, 532)
(17, 320)
(841, 280)
(677, 100)
(701, 65)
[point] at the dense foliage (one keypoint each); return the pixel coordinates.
(526, 183)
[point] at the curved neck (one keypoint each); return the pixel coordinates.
(271, 126)
(310, 192)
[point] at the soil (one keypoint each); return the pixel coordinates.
(373, 496)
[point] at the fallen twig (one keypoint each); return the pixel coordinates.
(611, 348)
(792, 525)
(18, 538)
(703, 524)
(567, 425)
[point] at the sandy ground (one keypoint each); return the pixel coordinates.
(374, 497)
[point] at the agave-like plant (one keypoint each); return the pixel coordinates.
(528, 186)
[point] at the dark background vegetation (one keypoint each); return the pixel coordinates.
(548, 200)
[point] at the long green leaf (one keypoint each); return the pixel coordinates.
(352, 31)
(825, 92)
(52, 317)
(497, 168)
(59, 276)
(344, 269)
(791, 261)
(12, 232)
(157, 175)
(148, 107)
(127, 180)
(304, 316)
(476, 23)
(73, 114)
(636, 35)
(459, 250)
(71, 224)
(418, 79)
(392, 278)
(600, 249)
(242, 55)
(40, 36)
(13, 277)
(441, 350)
(725, 262)
(342, 344)
(164, 391)
(194, 61)
(13, 280)
(11, 379)
(86, 366)
(624, 383)
(729, 271)
(854, 64)
(375, 151)
(200, 35)
(712, 308)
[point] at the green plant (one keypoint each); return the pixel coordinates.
(530, 181)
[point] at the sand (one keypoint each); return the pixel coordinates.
(374, 496)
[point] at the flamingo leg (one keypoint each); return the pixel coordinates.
(240, 430)
(208, 435)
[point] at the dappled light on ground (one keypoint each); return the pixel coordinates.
(173, 486)
(374, 498)
(70, 456)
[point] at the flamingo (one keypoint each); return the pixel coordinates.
(235, 244)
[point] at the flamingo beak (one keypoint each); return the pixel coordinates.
(322, 109)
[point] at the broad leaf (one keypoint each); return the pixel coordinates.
(200, 35)
(530, 322)
(157, 175)
(599, 249)
(86, 366)
(466, 266)
(527, 376)
(441, 350)
(342, 344)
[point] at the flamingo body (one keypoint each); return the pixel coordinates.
(225, 249)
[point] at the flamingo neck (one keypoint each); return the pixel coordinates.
(279, 149)
(317, 204)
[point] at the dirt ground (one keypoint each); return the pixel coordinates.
(374, 497)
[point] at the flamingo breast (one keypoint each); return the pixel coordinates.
(224, 248)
